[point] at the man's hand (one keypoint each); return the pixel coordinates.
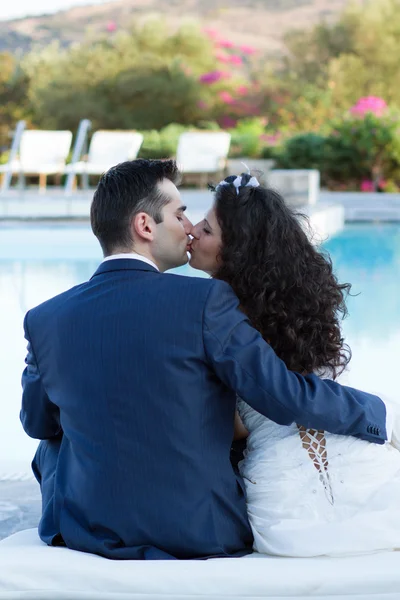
(392, 421)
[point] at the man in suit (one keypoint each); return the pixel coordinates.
(132, 377)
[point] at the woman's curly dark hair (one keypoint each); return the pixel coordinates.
(285, 285)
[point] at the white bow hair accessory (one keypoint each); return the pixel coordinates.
(243, 180)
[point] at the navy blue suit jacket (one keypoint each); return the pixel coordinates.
(138, 372)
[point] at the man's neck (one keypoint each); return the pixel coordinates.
(133, 255)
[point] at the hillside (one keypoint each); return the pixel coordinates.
(259, 23)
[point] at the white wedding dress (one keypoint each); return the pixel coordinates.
(311, 494)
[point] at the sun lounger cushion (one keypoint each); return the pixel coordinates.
(31, 570)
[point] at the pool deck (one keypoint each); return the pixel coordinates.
(359, 206)
(327, 217)
(30, 204)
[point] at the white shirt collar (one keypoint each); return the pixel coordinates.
(132, 255)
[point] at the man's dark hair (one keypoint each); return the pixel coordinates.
(124, 191)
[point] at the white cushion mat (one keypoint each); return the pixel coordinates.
(31, 570)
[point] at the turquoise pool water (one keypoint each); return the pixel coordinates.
(39, 262)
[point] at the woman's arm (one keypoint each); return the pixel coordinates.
(240, 431)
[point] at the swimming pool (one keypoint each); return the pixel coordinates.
(37, 262)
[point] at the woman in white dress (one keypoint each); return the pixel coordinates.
(309, 493)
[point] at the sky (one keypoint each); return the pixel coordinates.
(22, 8)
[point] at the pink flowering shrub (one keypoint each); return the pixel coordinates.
(236, 60)
(214, 76)
(272, 139)
(212, 33)
(228, 122)
(225, 44)
(111, 26)
(222, 56)
(235, 99)
(247, 49)
(367, 185)
(226, 97)
(369, 104)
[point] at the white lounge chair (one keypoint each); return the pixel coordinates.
(41, 153)
(107, 148)
(203, 153)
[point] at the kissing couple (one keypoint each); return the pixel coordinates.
(137, 381)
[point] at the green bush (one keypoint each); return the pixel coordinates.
(161, 144)
(151, 146)
(270, 152)
(363, 148)
(4, 157)
(247, 138)
(357, 149)
(304, 151)
(208, 126)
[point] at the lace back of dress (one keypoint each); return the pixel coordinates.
(315, 443)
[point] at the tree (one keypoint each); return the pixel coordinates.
(357, 56)
(144, 78)
(373, 67)
(308, 53)
(13, 96)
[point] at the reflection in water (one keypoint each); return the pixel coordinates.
(33, 269)
(368, 257)
(25, 284)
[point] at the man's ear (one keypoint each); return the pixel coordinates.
(143, 226)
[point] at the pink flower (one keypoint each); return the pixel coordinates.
(236, 60)
(203, 105)
(214, 76)
(227, 122)
(247, 49)
(367, 186)
(243, 89)
(225, 44)
(111, 26)
(271, 139)
(226, 97)
(212, 33)
(369, 104)
(222, 57)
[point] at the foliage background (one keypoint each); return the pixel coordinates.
(295, 107)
